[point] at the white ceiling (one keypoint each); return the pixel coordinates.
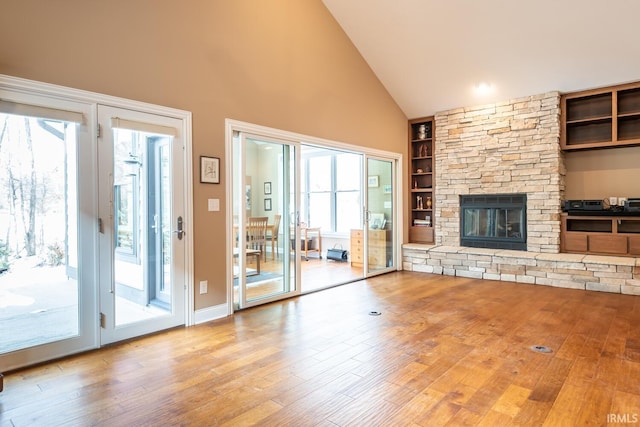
(430, 54)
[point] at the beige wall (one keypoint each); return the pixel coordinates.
(599, 174)
(279, 63)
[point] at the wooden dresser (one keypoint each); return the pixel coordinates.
(356, 250)
(377, 248)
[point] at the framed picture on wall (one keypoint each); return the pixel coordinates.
(267, 188)
(267, 204)
(373, 181)
(209, 170)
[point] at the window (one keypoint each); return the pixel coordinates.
(331, 189)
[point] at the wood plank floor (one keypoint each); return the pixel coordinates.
(443, 351)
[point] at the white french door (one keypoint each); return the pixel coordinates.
(47, 228)
(142, 240)
(88, 224)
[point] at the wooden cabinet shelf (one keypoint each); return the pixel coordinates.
(589, 106)
(610, 235)
(629, 101)
(421, 179)
(601, 118)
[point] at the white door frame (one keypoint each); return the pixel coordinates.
(244, 303)
(185, 117)
(153, 124)
(27, 89)
(397, 259)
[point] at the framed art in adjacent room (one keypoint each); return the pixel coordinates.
(209, 170)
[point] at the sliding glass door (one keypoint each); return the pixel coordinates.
(380, 218)
(329, 212)
(266, 229)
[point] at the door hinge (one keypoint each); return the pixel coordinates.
(100, 226)
(102, 319)
(99, 128)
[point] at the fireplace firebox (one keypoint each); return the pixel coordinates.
(495, 221)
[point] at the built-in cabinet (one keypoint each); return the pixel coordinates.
(606, 235)
(601, 118)
(605, 118)
(421, 180)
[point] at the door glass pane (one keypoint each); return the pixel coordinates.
(142, 212)
(162, 160)
(381, 220)
(268, 269)
(38, 232)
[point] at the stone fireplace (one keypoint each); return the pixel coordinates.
(507, 147)
(493, 150)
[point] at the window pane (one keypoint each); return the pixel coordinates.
(348, 172)
(320, 210)
(303, 175)
(348, 213)
(320, 173)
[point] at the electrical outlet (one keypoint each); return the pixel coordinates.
(203, 287)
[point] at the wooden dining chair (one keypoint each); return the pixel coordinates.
(257, 234)
(273, 235)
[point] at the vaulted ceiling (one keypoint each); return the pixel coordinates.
(432, 55)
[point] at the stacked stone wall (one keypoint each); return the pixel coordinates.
(507, 147)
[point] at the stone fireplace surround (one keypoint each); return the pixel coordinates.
(510, 147)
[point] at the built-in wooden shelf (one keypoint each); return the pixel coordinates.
(421, 180)
(601, 118)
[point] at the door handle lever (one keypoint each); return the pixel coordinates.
(180, 232)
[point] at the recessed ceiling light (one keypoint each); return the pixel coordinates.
(483, 88)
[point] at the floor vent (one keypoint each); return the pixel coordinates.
(541, 349)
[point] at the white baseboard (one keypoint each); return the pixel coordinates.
(211, 313)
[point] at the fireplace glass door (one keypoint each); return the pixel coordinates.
(493, 221)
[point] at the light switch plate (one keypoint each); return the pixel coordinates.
(203, 287)
(214, 205)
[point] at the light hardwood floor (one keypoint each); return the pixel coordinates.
(315, 274)
(443, 351)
